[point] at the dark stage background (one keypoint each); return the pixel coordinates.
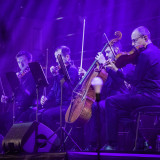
(39, 26)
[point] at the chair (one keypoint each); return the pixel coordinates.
(145, 110)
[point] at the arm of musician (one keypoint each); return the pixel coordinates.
(142, 66)
(110, 68)
(135, 76)
(73, 73)
(51, 95)
(110, 65)
(5, 99)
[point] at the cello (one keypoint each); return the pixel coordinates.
(83, 96)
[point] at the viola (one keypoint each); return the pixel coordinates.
(124, 58)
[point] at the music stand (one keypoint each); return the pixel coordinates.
(61, 128)
(39, 78)
(14, 84)
(63, 68)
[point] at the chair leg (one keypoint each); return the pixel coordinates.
(137, 130)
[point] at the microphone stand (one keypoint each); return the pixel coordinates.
(14, 84)
(98, 125)
(40, 81)
(39, 78)
(97, 84)
(13, 98)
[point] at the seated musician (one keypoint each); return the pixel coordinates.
(114, 85)
(25, 94)
(145, 80)
(53, 100)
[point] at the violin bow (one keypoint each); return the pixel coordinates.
(46, 69)
(46, 63)
(110, 45)
(2, 86)
(84, 21)
(2, 91)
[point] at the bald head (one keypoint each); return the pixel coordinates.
(140, 36)
(143, 31)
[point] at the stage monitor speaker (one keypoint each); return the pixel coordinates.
(30, 137)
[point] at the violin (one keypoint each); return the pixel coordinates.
(22, 73)
(124, 58)
(55, 70)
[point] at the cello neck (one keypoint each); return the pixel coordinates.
(86, 75)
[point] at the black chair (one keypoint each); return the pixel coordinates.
(145, 110)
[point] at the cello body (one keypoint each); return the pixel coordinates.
(80, 109)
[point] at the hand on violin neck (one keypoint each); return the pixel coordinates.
(100, 58)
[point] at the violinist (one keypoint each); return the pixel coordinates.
(53, 100)
(145, 81)
(25, 94)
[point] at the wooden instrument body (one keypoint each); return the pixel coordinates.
(80, 109)
(124, 58)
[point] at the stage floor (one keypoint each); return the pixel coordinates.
(83, 156)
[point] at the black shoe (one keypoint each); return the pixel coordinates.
(143, 147)
(90, 148)
(74, 149)
(108, 148)
(147, 147)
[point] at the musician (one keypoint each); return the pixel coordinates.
(145, 80)
(53, 100)
(25, 93)
(113, 85)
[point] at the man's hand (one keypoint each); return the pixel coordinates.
(54, 70)
(111, 65)
(100, 58)
(4, 99)
(81, 71)
(43, 100)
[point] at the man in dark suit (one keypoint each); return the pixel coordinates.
(25, 93)
(52, 101)
(145, 81)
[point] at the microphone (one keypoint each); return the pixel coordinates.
(97, 84)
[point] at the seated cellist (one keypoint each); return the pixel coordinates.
(114, 85)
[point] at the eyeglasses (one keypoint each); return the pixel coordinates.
(136, 39)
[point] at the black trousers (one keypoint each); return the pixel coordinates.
(51, 117)
(120, 106)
